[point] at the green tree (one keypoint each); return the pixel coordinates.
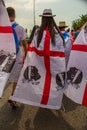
(78, 23)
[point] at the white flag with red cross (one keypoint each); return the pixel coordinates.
(7, 47)
(77, 69)
(41, 82)
(7, 42)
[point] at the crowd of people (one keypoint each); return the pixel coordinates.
(62, 38)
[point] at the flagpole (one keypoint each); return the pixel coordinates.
(34, 11)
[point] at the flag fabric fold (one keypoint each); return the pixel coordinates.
(38, 84)
(77, 69)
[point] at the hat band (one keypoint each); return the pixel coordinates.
(47, 13)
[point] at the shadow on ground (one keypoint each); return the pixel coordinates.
(69, 105)
(9, 119)
(46, 119)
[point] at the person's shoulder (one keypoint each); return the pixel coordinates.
(20, 26)
(17, 24)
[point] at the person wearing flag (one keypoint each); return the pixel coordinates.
(77, 70)
(42, 79)
(21, 50)
(7, 47)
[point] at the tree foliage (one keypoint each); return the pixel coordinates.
(78, 23)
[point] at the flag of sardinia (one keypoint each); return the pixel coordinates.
(41, 82)
(7, 47)
(7, 42)
(77, 69)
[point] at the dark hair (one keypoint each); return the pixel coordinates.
(32, 33)
(11, 11)
(50, 23)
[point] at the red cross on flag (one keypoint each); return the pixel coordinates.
(41, 82)
(77, 69)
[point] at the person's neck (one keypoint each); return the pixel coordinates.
(12, 19)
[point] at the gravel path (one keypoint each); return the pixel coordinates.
(27, 117)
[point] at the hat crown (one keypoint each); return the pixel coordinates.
(62, 24)
(47, 13)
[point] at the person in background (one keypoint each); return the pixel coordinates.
(35, 27)
(77, 32)
(68, 45)
(21, 50)
(68, 30)
(72, 34)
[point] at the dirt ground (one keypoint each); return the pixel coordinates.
(27, 117)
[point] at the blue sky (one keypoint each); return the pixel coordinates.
(65, 10)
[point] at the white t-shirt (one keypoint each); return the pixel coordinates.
(21, 34)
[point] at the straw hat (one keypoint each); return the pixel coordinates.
(47, 13)
(62, 24)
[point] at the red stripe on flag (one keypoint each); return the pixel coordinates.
(84, 101)
(6, 29)
(80, 48)
(47, 84)
(42, 52)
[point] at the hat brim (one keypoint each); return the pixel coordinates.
(47, 15)
(62, 26)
